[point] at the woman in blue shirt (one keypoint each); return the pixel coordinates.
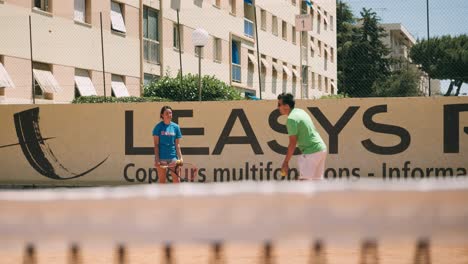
(167, 137)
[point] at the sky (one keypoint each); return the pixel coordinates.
(446, 17)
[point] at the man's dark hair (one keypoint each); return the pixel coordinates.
(287, 99)
(163, 109)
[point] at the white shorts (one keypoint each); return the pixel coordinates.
(312, 166)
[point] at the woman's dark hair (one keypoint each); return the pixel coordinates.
(163, 109)
(288, 99)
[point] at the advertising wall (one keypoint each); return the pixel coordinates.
(231, 141)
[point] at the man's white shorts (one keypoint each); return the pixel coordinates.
(312, 166)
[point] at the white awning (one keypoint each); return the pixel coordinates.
(118, 87)
(295, 73)
(325, 19)
(117, 20)
(83, 83)
(265, 63)
(286, 70)
(46, 81)
(252, 59)
(333, 85)
(278, 67)
(319, 12)
(5, 80)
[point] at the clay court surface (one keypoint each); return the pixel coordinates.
(290, 253)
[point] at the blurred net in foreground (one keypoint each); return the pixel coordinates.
(215, 214)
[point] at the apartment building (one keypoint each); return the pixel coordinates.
(140, 41)
(399, 40)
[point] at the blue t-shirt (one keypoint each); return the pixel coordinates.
(167, 136)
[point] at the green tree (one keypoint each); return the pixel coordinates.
(172, 89)
(345, 23)
(444, 58)
(364, 58)
(400, 83)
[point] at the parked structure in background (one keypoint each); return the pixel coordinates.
(400, 41)
(141, 42)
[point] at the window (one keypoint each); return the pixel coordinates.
(274, 26)
(312, 77)
(325, 58)
(5, 80)
(326, 84)
(332, 25)
(303, 7)
(45, 84)
(118, 86)
(319, 82)
(251, 68)
(332, 55)
(293, 2)
(285, 77)
(319, 47)
(232, 4)
(83, 84)
(176, 41)
(217, 3)
(284, 30)
(294, 35)
(117, 17)
(313, 48)
(319, 20)
(82, 13)
(274, 82)
(217, 50)
(294, 81)
(43, 5)
(305, 81)
(263, 19)
(236, 61)
(149, 78)
(248, 27)
(150, 35)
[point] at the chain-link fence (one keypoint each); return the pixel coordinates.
(55, 53)
(383, 48)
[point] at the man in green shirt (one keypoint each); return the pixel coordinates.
(302, 132)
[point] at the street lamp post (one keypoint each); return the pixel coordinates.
(200, 39)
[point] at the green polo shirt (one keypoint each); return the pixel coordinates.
(308, 139)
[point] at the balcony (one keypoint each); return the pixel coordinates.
(248, 28)
(236, 73)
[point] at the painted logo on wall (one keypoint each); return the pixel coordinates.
(36, 150)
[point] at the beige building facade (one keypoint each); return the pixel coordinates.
(399, 40)
(140, 42)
